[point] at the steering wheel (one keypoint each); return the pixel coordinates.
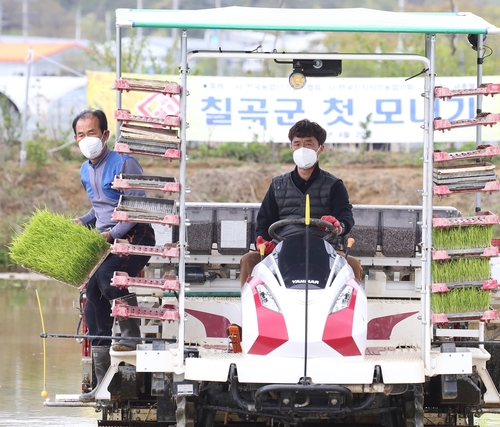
(313, 221)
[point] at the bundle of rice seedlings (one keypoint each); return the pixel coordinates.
(462, 237)
(53, 245)
(461, 300)
(467, 269)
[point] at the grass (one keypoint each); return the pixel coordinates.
(461, 300)
(53, 245)
(462, 237)
(468, 269)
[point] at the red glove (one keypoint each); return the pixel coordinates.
(269, 245)
(332, 220)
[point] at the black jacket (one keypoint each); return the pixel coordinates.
(285, 199)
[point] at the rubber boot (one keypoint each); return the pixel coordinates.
(102, 360)
(128, 328)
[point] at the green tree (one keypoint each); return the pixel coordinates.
(137, 56)
(454, 55)
(10, 128)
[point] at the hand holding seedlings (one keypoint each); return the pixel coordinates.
(107, 236)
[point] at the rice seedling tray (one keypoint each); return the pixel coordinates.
(483, 89)
(466, 236)
(145, 210)
(463, 183)
(164, 150)
(148, 133)
(463, 269)
(445, 318)
(481, 218)
(483, 119)
(56, 247)
(123, 247)
(481, 151)
(166, 313)
(445, 255)
(146, 182)
(445, 190)
(148, 205)
(461, 300)
(123, 280)
(84, 281)
(126, 116)
(464, 174)
(459, 170)
(164, 87)
(485, 285)
(156, 147)
(464, 180)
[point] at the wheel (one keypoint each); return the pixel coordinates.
(411, 409)
(493, 365)
(414, 407)
(184, 414)
(206, 418)
(314, 221)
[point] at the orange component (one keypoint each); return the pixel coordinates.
(234, 334)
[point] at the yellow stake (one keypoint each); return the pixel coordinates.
(308, 211)
(44, 393)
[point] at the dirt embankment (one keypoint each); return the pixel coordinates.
(57, 186)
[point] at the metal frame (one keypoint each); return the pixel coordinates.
(428, 144)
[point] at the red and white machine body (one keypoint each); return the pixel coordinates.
(275, 314)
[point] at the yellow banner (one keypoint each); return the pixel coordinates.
(102, 96)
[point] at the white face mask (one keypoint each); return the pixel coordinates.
(305, 158)
(91, 146)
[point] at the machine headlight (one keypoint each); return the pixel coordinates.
(343, 299)
(267, 298)
(297, 80)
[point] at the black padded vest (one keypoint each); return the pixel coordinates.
(291, 202)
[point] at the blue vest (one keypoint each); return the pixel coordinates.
(112, 167)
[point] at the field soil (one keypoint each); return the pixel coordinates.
(367, 184)
(57, 185)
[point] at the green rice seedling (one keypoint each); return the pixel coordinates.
(461, 300)
(467, 269)
(53, 245)
(462, 237)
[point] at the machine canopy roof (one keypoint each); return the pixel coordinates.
(280, 19)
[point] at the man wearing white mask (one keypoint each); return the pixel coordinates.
(285, 198)
(97, 175)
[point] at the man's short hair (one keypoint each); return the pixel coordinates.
(305, 128)
(103, 121)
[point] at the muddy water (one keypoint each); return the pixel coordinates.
(21, 355)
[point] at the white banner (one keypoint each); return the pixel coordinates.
(263, 109)
(246, 109)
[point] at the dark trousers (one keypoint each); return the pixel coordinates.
(100, 292)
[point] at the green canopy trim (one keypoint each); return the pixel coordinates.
(281, 19)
